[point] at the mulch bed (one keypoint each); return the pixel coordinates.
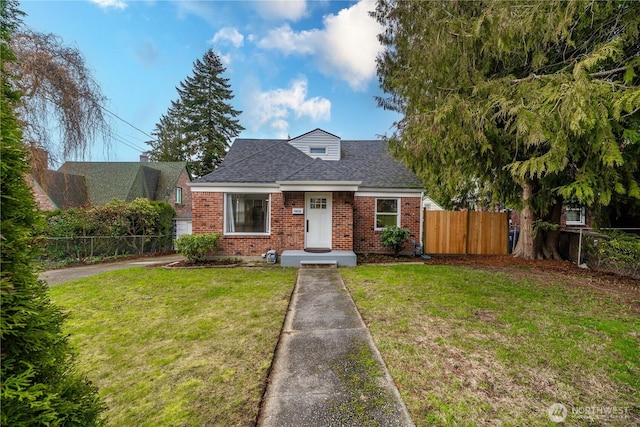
(205, 264)
(538, 271)
(546, 271)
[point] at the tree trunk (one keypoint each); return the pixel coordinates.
(552, 237)
(526, 247)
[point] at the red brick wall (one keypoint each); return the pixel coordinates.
(287, 230)
(367, 239)
(342, 230)
(353, 223)
(42, 199)
(206, 210)
(183, 209)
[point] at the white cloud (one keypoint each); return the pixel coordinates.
(352, 44)
(275, 108)
(204, 10)
(291, 10)
(117, 4)
(345, 48)
(228, 34)
(226, 60)
(288, 41)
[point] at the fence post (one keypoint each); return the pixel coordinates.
(466, 233)
(580, 247)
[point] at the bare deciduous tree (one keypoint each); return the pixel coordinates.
(59, 94)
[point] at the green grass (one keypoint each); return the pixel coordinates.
(470, 347)
(178, 348)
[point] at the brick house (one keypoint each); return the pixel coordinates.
(314, 195)
(78, 184)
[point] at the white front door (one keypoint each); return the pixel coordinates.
(318, 221)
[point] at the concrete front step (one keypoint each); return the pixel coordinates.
(297, 258)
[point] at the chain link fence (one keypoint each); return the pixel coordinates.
(611, 250)
(90, 248)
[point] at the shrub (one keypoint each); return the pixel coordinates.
(394, 237)
(41, 384)
(195, 247)
(164, 225)
(116, 219)
(616, 252)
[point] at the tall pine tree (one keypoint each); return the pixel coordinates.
(200, 125)
(39, 385)
(535, 103)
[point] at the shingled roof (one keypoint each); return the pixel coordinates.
(275, 160)
(126, 180)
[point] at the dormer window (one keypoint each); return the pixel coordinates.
(317, 150)
(318, 144)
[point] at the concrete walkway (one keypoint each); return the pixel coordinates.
(327, 371)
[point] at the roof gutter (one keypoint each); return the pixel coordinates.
(319, 185)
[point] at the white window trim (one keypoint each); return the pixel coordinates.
(375, 212)
(581, 221)
(237, 233)
(323, 148)
(178, 195)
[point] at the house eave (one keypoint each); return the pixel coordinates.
(231, 187)
(319, 185)
(396, 191)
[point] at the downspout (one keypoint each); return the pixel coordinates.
(422, 221)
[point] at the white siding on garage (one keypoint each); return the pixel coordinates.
(182, 226)
(318, 140)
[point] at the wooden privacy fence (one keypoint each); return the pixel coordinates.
(463, 232)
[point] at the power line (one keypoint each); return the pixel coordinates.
(124, 121)
(127, 143)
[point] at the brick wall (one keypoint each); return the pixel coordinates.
(183, 210)
(342, 230)
(353, 223)
(287, 230)
(42, 199)
(206, 211)
(367, 239)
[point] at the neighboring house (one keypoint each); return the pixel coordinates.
(313, 193)
(77, 184)
(430, 205)
(572, 217)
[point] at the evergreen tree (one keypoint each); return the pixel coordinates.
(534, 103)
(200, 125)
(40, 385)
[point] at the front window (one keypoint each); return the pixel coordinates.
(247, 213)
(575, 215)
(387, 213)
(178, 195)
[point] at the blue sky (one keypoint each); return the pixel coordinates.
(293, 65)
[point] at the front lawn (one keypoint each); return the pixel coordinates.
(178, 347)
(473, 347)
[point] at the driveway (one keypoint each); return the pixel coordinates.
(55, 277)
